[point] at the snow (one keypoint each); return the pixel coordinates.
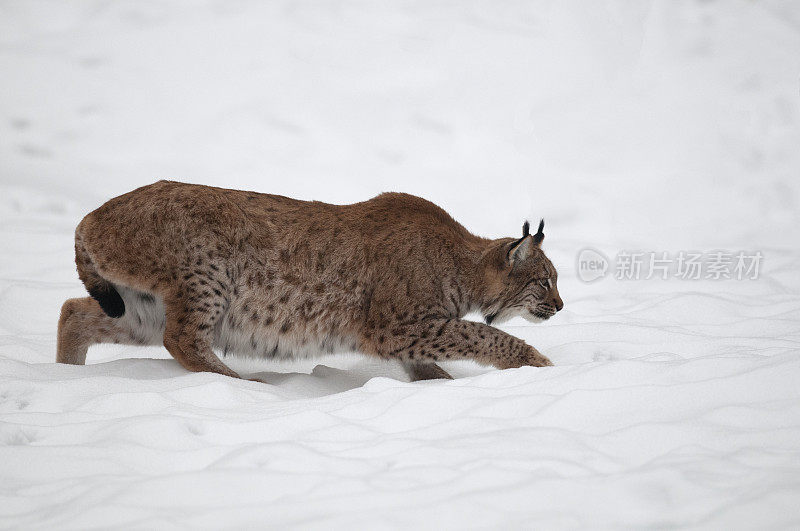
(654, 126)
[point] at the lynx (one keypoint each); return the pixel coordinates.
(197, 268)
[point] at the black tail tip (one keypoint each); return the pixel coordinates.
(110, 301)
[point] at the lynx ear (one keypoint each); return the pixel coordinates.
(539, 236)
(521, 249)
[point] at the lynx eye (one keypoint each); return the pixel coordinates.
(546, 283)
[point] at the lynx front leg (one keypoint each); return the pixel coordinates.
(448, 339)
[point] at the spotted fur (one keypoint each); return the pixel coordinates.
(199, 268)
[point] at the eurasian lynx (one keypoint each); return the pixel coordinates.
(196, 267)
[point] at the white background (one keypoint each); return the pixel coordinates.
(657, 126)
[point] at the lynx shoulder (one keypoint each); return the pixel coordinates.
(198, 268)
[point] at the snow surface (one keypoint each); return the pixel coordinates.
(660, 126)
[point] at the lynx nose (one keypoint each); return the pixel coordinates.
(558, 303)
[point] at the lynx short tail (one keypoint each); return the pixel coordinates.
(98, 287)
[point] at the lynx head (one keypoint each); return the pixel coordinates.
(520, 279)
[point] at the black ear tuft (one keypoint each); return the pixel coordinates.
(539, 236)
(526, 228)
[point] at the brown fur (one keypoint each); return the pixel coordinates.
(201, 267)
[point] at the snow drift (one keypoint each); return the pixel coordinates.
(654, 126)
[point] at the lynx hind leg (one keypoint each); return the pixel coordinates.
(418, 370)
(83, 323)
(189, 332)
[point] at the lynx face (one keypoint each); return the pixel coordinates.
(528, 285)
(533, 290)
